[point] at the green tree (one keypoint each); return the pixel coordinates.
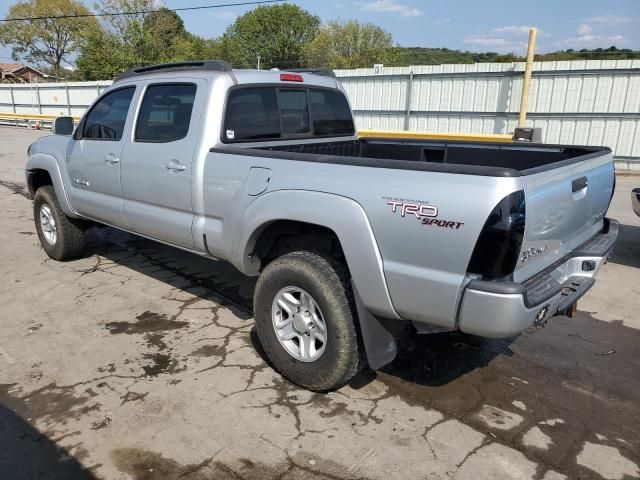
(277, 33)
(46, 41)
(206, 48)
(164, 35)
(611, 53)
(436, 56)
(124, 41)
(118, 41)
(350, 45)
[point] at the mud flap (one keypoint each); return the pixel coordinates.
(379, 344)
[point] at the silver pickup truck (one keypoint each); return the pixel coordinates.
(265, 169)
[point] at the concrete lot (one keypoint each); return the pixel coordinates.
(140, 361)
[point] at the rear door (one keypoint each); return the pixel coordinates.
(565, 206)
(157, 165)
(93, 159)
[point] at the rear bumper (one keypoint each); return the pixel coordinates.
(504, 309)
(635, 200)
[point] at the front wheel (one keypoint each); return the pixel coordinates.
(61, 237)
(305, 316)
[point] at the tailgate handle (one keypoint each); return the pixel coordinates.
(578, 184)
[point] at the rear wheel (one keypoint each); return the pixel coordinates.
(61, 237)
(305, 316)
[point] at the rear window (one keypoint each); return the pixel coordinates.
(252, 114)
(330, 113)
(268, 113)
(294, 112)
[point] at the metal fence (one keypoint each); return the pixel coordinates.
(592, 102)
(71, 98)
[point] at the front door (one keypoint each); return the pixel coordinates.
(93, 158)
(157, 163)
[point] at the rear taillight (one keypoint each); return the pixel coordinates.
(291, 77)
(498, 247)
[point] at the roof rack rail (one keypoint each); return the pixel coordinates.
(208, 65)
(324, 72)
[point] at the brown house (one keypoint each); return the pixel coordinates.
(20, 73)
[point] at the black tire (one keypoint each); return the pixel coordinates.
(70, 233)
(327, 281)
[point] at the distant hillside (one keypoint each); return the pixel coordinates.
(437, 56)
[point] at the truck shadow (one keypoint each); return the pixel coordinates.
(213, 280)
(431, 360)
(30, 454)
(439, 358)
(627, 248)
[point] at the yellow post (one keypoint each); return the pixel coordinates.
(524, 99)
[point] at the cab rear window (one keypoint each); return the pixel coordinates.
(271, 113)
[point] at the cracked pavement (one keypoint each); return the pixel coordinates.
(140, 361)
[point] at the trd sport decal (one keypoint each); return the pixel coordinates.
(425, 213)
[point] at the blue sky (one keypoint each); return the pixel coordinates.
(487, 25)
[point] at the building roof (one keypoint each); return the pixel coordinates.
(10, 67)
(15, 73)
(16, 67)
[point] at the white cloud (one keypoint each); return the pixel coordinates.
(584, 29)
(496, 43)
(391, 6)
(513, 30)
(227, 15)
(583, 39)
(517, 30)
(608, 20)
(509, 38)
(591, 41)
(442, 21)
(591, 35)
(487, 41)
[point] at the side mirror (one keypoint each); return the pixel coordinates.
(63, 126)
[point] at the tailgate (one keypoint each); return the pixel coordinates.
(565, 206)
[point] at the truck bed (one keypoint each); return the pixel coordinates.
(489, 159)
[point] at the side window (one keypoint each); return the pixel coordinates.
(330, 113)
(165, 113)
(294, 111)
(106, 119)
(252, 114)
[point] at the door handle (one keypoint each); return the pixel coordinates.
(175, 166)
(578, 184)
(111, 159)
(84, 183)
